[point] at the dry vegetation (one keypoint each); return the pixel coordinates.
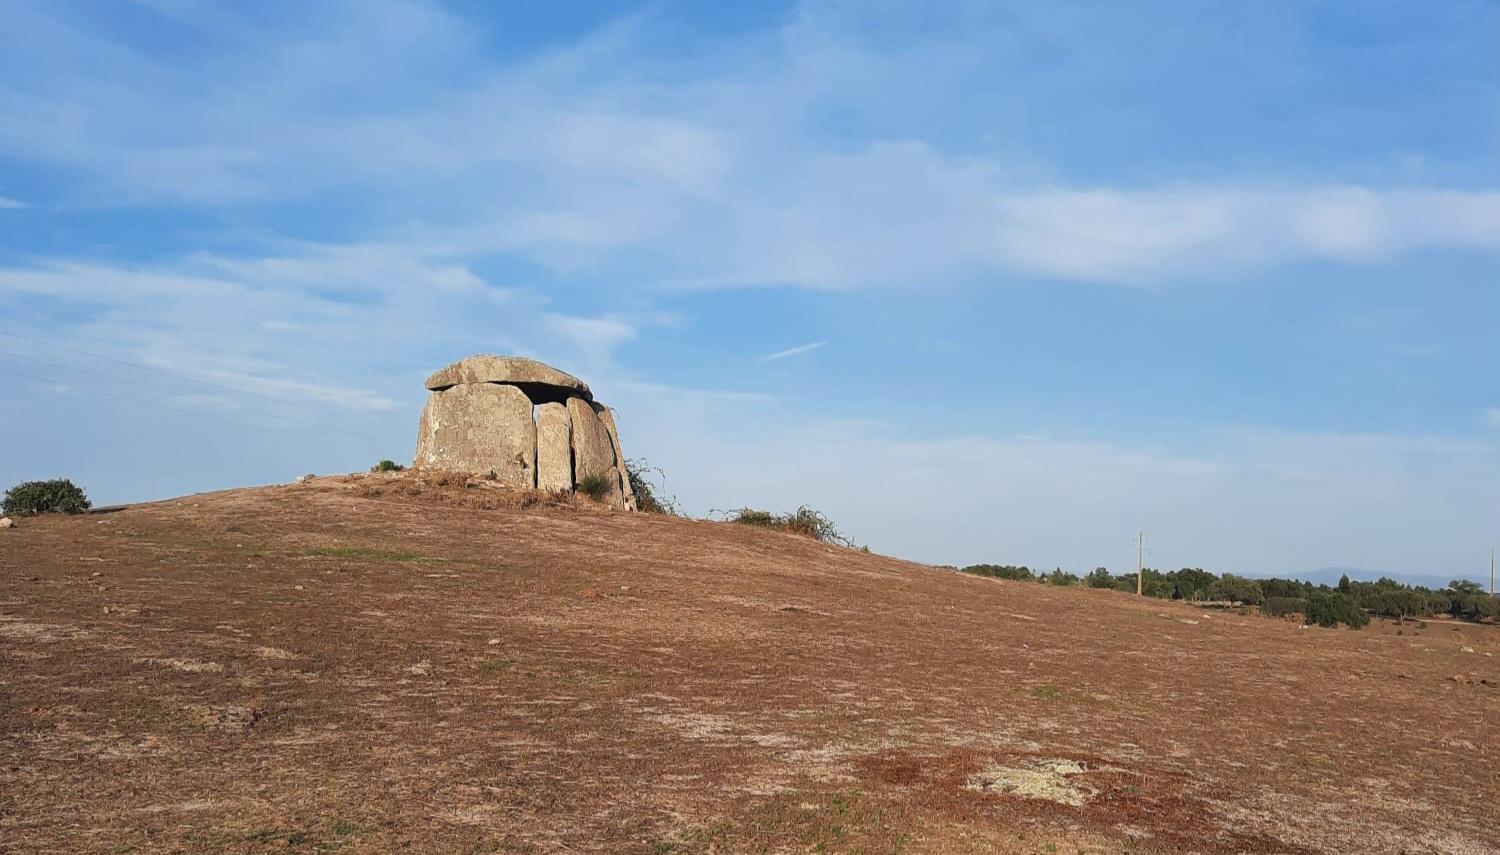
(388, 663)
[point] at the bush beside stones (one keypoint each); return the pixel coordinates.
(646, 482)
(596, 486)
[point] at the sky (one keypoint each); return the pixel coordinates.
(984, 282)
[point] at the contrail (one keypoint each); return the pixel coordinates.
(794, 351)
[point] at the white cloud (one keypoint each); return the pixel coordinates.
(588, 158)
(316, 330)
(594, 338)
(794, 351)
(12, 204)
(1492, 416)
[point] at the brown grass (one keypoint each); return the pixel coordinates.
(416, 663)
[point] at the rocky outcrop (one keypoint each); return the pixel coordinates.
(484, 428)
(524, 423)
(554, 447)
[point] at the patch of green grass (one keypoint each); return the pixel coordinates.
(360, 554)
(344, 828)
(496, 663)
(1045, 693)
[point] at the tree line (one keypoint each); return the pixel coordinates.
(1350, 603)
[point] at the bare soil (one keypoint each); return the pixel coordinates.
(373, 664)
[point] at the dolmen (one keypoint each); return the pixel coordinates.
(522, 423)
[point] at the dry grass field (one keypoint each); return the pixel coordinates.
(357, 665)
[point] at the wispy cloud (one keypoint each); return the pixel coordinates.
(586, 159)
(1492, 416)
(794, 351)
(298, 327)
(12, 204)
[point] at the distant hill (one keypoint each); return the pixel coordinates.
(1330, 576)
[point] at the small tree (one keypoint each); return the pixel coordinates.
(1236, 589)
(1331, 608)
(59, 496)
(1100, 578)
(1192, 583)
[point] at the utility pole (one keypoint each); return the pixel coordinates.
(1492, 574)
(1140, 564)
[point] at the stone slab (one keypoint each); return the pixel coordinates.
(479, 428)
(511, 370)
(554, 447)
(593, 453)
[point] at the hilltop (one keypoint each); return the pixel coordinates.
(343, 666)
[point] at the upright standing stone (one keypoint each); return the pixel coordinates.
(593, 453)
(480, 428)
(554, 447)
(607, 416)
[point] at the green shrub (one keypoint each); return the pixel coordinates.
(1275, 587)
(1236, 589)
(1331, 608)
(596, 486)
(388, 466)
(59, 496)
(804, 521)
(1061, 578)
(1191, 583)
(1100, 578)
(1154, 583)
(1001, 571)
(1283, 606)
(1469, 601)
(648, 492)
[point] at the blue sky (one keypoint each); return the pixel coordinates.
(985, 282)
